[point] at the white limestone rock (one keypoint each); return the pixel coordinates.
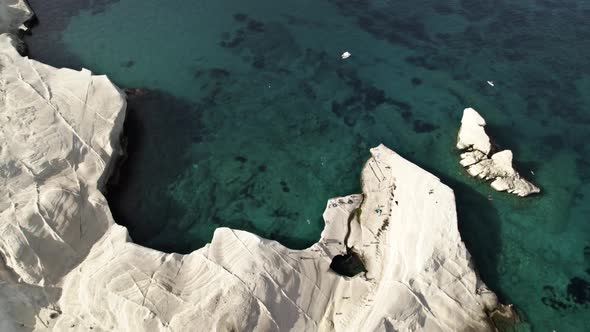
(472, 133)
(476, 158)
(13, 15)
(419, 273)
(66, 266)
(59, 130)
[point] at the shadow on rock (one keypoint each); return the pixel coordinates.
(479, 226)
(151, 163)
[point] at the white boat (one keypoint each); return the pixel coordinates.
(345, 55)
(491, 83)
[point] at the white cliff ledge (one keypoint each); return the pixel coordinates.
(480, 162)
(65, 265)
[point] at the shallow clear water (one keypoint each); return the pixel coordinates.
(253, 121)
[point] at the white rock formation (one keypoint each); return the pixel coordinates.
(66, 266)
(479, 161)
(58, 133)
(419, 273)
(13, 13)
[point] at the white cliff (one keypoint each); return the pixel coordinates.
(65, 265)
(59, 130)
(13, 15)
(480, 162)
(419, 273)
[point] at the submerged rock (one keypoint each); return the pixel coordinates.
(480, 162)
(66, 265)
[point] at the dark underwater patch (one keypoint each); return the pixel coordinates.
(130, 197)
(255, 26)
(283, 213)
(128, 64)
(476, 10)
(473, 36)
(240, 17)
(406, 115)
(307, 90)
(219, 73)
(579, 291)
(421, 61)
(402, 105)
(442, 8)
(557, 4)
(233, 43)
(241, 159)
(576, 296)
(258, 62)
(423, 127)
(554, 141)
(285, 187)
(349, 110)
(365, 98)
(555, 304)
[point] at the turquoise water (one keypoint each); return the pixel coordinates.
(250, 119)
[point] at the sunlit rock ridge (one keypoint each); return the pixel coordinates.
(67, 266)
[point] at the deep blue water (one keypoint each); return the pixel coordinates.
(250, 119)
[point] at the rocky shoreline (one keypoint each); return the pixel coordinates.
(66, 264)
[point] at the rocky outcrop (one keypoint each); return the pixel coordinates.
(404, 229)
(13, 15)
(59, 133)
(480, 160)
(66, 266)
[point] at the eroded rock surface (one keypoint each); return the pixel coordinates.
(66, 266)
(59, 132)
(419, 275)
(480, 161)
(13, 15)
